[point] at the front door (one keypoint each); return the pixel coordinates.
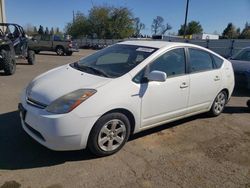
(162, 101)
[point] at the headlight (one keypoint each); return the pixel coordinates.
(70, 101)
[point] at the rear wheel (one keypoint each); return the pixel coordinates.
(109, 134)
(248, 103)
(31, 57)
(60, 51)
(219, 104)
(9, 62)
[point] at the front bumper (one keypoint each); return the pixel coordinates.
(56, 132)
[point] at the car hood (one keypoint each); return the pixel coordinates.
(60, 81)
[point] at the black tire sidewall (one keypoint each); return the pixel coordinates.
(63, 51)
(31, 57)
(8, 59)
(93, 137)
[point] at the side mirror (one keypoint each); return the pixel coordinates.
(157, 76)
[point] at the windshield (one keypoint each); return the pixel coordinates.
(114, 61)
(243, 55)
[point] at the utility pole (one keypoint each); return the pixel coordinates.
(185, 24)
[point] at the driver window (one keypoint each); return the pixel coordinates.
(172, 63)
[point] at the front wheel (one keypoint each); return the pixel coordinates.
(9, 62)
(219, 104)
(60, 51)
(109, 134)
(31, 57)
(248, 103)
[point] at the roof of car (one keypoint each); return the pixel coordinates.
(155, 44)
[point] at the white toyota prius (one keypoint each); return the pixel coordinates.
(99, 101)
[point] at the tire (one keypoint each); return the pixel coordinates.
(109, 134)
(9, 62)
(31, 57)
(69, 53)
(248, 103)
(60, 50)
(218, 104)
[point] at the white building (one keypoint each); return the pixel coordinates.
(204, 36)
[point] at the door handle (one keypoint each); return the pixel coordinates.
(217, 78)
(183, 85)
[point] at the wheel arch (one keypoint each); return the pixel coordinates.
(61, 46)
(227, 92)
(125, 112)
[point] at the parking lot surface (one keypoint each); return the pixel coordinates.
(194, 152)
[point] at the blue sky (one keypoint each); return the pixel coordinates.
(214, 15)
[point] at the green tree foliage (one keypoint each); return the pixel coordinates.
(99, 20)
(230, 32)
(193, 27)
(245, 34)
(102, 22)
(138, 26)
(79, 26)
(121, 23)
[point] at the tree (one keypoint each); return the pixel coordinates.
(120, 23)
(193, 27)
(46, 31)
(138, 26)
(230, 32)
(51, 32)
(102, 22)
(158, 26)
(29, 29)
(245, 34)
(79, 26)
(35, 30)
(99, 21)
(40, 30)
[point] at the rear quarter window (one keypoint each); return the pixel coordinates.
(218, 61)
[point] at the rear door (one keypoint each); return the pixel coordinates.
(45, 42)
(205, 80)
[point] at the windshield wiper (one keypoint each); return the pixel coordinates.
(97, 71)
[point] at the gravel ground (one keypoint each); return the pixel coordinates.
(194, 152)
